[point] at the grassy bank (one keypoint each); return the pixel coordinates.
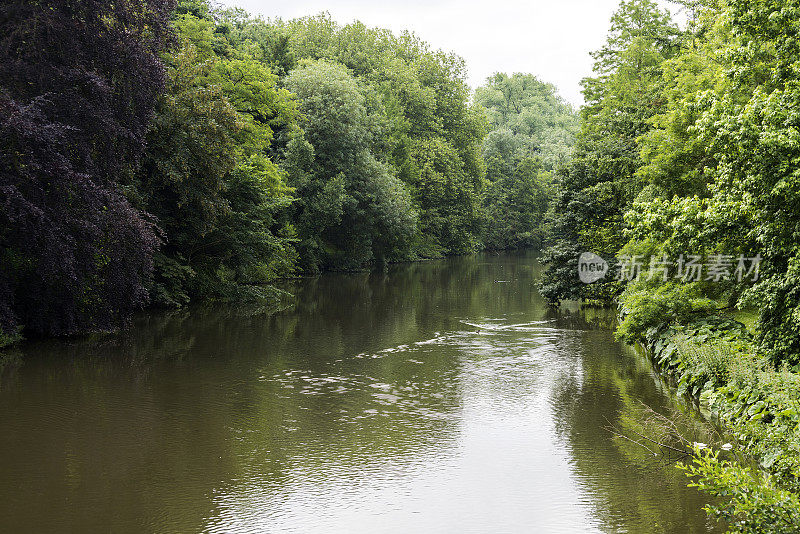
(713, 358)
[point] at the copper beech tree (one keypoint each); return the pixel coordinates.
(78, 82)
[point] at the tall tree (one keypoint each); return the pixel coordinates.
(600, 183)
(78, 82)
(543, 124)
(533, 132)
(351, 209)
(431, 133)
(208, 176)
(755, 130)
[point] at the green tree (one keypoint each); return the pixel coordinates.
(724, 156)
(533, 131)
(351, 209)
(420, 98)
(542, 122)
(78, 83)
(752, 132)
(600, 183)
(207, 175)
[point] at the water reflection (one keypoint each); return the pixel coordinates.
(437, 397)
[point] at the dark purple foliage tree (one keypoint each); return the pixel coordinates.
(78, 82)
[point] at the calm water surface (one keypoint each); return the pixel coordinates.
(439, 397)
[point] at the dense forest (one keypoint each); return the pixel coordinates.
(154, 154)
(167, 154)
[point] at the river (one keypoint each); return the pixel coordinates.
(435, 397)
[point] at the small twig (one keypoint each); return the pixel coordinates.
(623, 436)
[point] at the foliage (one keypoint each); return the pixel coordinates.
(752, 504)
(534, 120)
(726, 151)
(516, 200)
(207, 175)
(600, 182)
(351, 209)
(646, 305)
(675, 159)
(689, 145)
(532, 132)
(424, 129)
(702, 353)
(375, 155)
(713, 359)
(78, 82)
(9, 338)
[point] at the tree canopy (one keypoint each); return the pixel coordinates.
(78, 83)
(161, 154)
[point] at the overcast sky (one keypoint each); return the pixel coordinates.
(549, 38)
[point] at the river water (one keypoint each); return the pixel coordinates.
(437, 397)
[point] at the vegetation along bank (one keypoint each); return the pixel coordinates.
(154, 154)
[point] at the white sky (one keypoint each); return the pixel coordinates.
(549, 38)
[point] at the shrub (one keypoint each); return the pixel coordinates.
(753, 503)
(645, 306)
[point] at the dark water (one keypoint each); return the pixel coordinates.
(438, 397)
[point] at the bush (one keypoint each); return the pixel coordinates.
(8, 339)
(711, 360)
(714, 359)
(645, 306)
(753, 503)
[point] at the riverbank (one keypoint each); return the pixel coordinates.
(714, 359)
(271, 295)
